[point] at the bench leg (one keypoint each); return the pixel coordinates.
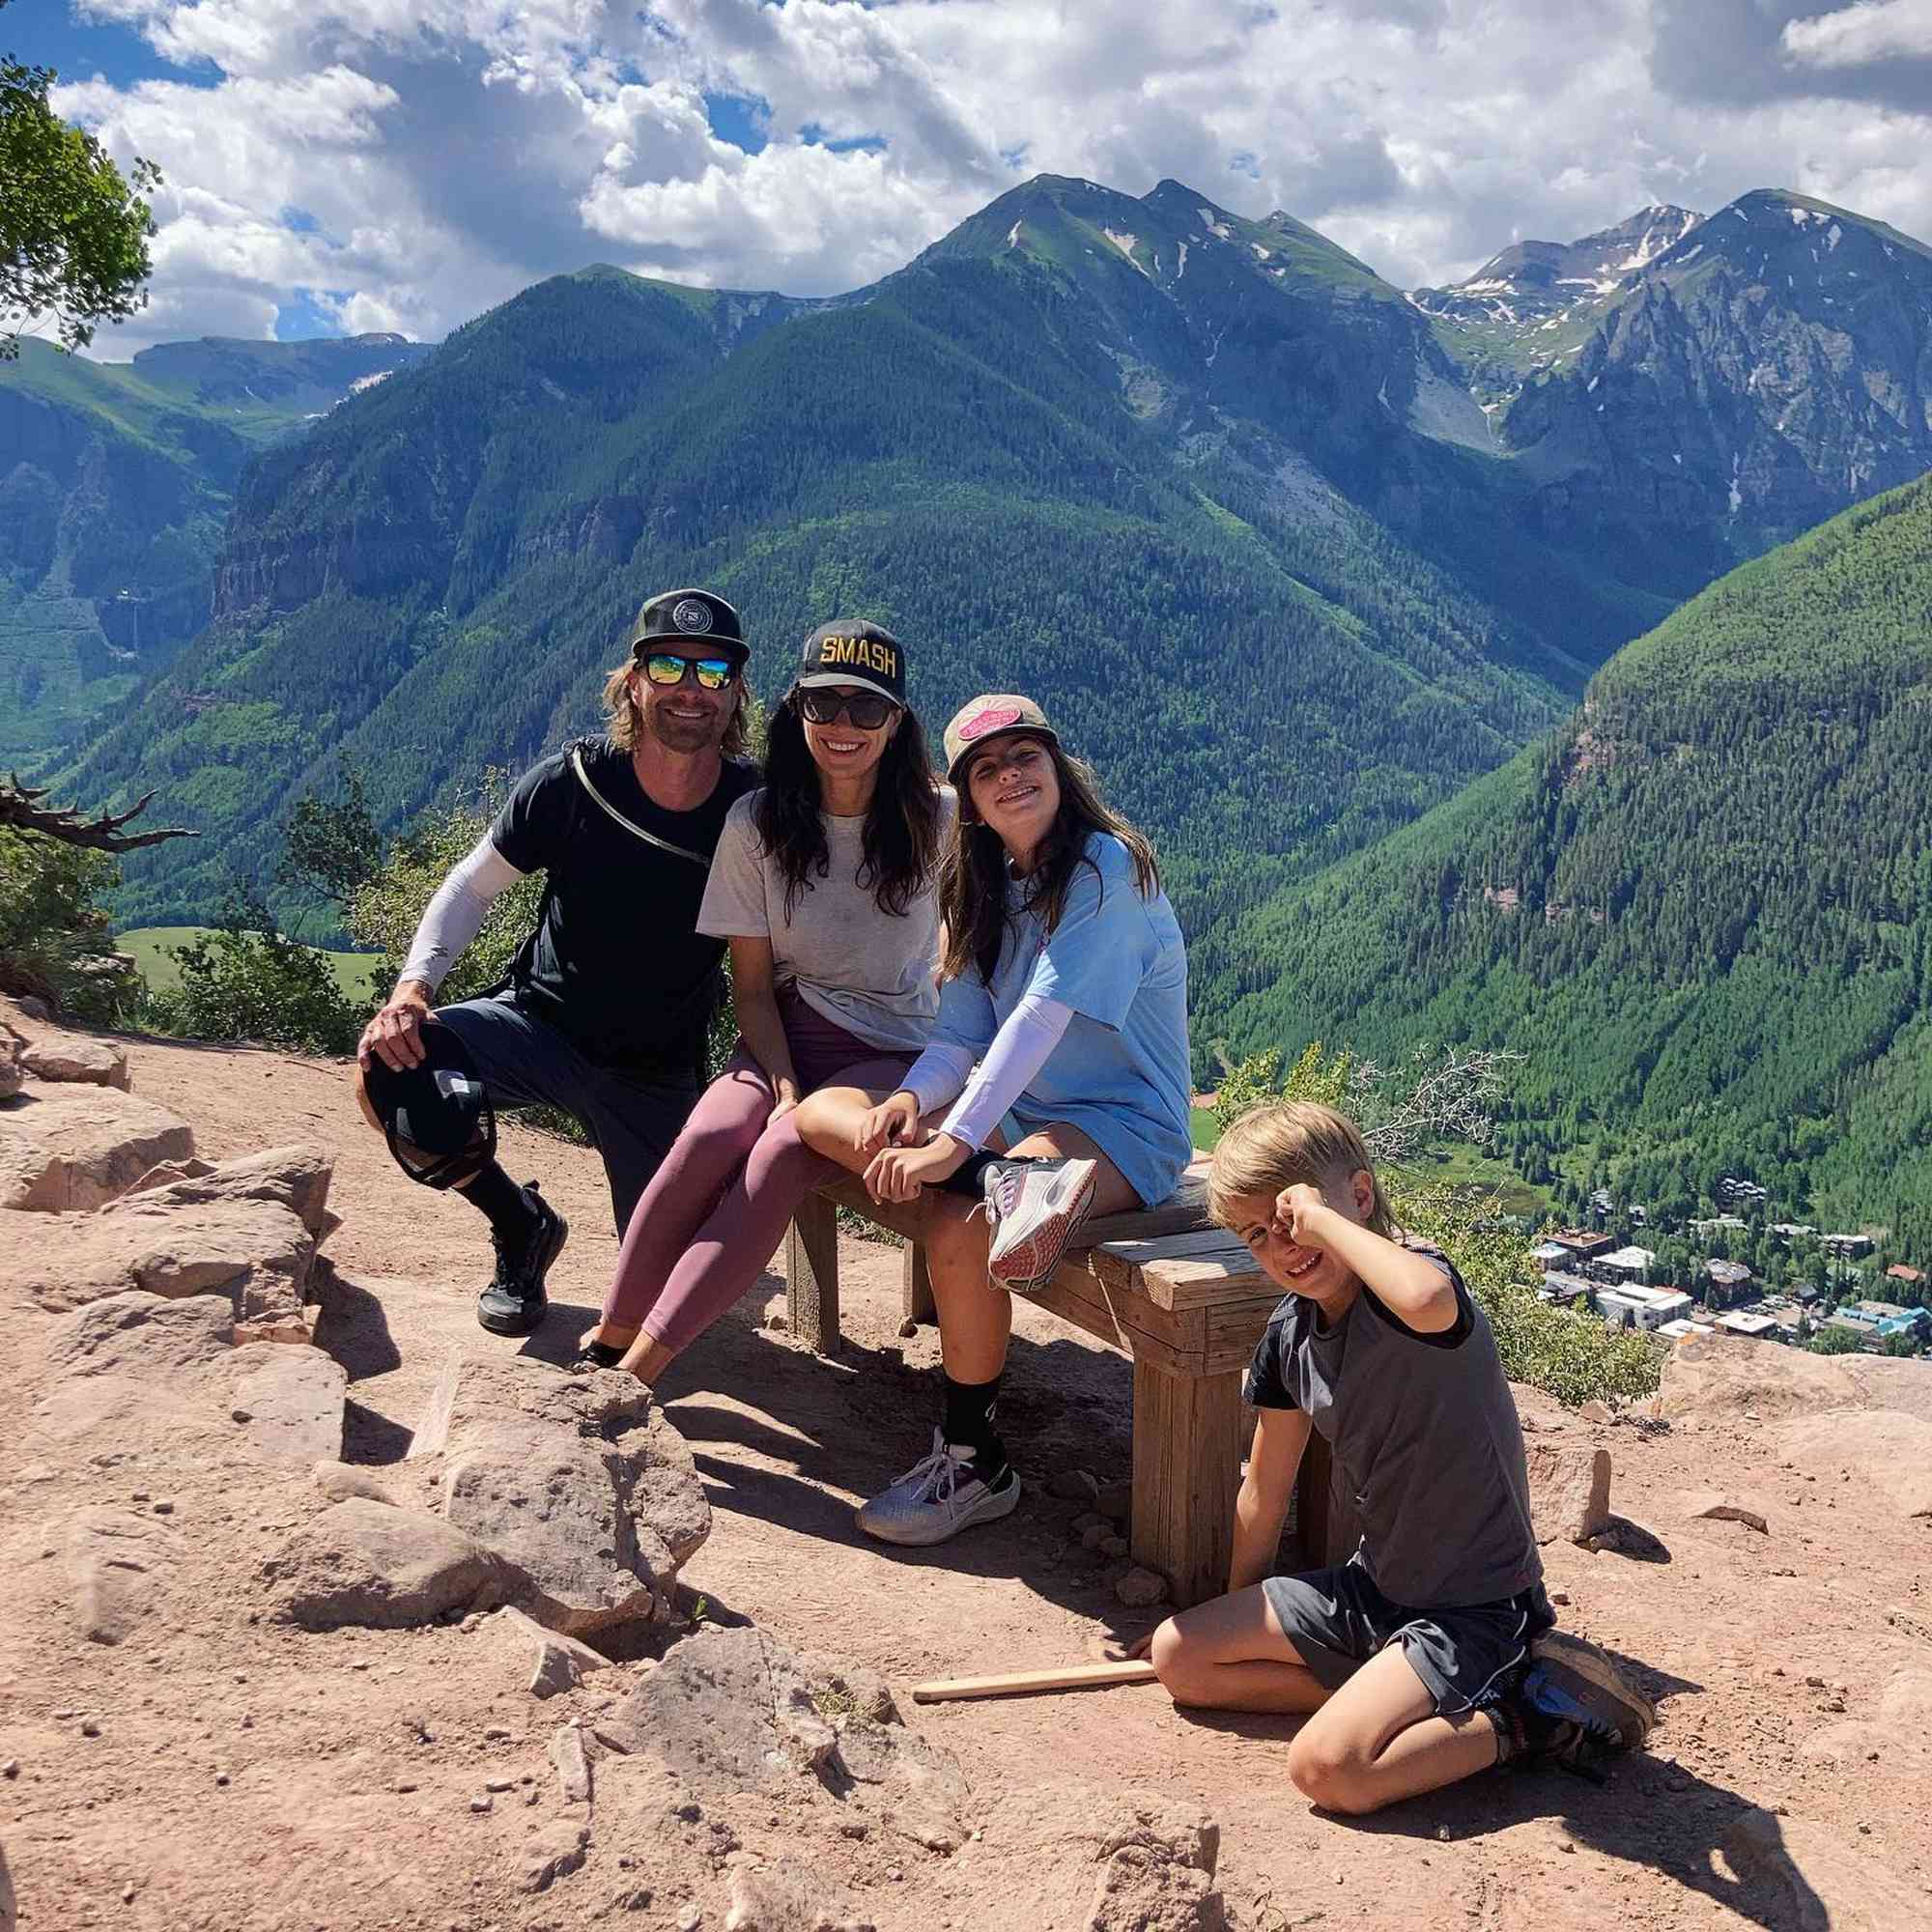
(812, 1273)
(1314, 1525)
(1187, 1468)
(916, 1302)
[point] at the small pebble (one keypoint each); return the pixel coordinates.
(531, 1796)
(241, 1415)
(128, 1892)
(895, 1873)
(90, 1727)
(482, 1802)
(164, 1509)
(406, 1784)
(1561, 1597)
(11, 1769)
(65, 1710)
(1442, 1833)
(690, 1920)
(908, 1329)
(498, 1732)
(221, 1778)
(500, 1784)
(1567, 1846)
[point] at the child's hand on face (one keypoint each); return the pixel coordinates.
(1298, 1212)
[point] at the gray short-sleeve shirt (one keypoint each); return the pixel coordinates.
(1425, 1433)
(870, 972)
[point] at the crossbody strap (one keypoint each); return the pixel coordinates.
(636, 831)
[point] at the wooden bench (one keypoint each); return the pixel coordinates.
(1182, 1297)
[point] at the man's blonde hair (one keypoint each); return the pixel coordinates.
(624, 718)
(1277, 1144)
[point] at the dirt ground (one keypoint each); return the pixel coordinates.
(246, 1775)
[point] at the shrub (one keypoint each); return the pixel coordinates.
(54, 934)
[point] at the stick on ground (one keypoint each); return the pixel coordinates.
(1018, 1683)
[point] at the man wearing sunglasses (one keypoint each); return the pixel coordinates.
(605, 1008)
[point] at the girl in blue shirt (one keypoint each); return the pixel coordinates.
(1056, 1084)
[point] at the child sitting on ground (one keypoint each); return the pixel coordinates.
(1408, 1655)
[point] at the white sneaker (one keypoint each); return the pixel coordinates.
(1033, 1206)
(930, 1502)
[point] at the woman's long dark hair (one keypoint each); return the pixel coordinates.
(901, 843)
(972, 888)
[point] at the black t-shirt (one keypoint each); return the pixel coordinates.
(616, 963)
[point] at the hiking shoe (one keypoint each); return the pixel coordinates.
(513, 1304)
(1573, 1708)
(1033, 1208)
(937, 1498)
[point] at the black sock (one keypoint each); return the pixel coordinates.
(968, 1177)
(969, 1424)
(499, 1200)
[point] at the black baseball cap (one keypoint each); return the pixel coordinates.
(849, 650)
(689, 619)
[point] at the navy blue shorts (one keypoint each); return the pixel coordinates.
(1468, 1659)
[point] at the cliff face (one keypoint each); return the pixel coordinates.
(1769, 368)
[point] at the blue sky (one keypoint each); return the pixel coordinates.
(445, 152)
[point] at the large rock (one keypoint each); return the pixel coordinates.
(730, 1710)
(1569, 1493)
(116, 1561)
(1728, 1374)
(1809, 1880)
(1879, 1454)
(293, 1178)
(65, 1148)
(362, 1562)
(141, 1334)
(577, 1482)
(67, 1056)
(256, 1252)
(792, 1897)
(288, 1402)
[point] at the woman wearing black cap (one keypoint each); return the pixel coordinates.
(824, 883)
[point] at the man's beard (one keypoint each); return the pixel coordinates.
(681, 734)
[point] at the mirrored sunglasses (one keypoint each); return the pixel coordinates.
(712, 674)
(864, 709)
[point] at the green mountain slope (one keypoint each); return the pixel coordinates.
(115, 486)
(1703, 908)
(1268, 674)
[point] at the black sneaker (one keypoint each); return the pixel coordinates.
(513, 1304)
(1573, 1708)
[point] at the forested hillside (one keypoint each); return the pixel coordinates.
(1270, 676)
(1703, 909)
(116, 482)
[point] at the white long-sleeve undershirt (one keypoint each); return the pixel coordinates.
(1019, 1050)
(454, 916)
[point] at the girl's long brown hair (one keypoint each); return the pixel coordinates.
(972, 885)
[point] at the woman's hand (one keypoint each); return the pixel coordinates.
(892, 1123)
(786, 1102)
(898, 1173)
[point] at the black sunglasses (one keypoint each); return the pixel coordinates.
(712, 674)
(825, 706)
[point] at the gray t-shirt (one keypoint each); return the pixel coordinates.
(868, 971)
(1425, 1434)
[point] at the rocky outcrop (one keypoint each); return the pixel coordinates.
(362, 1562)
(64, 1148)
(575, 1481)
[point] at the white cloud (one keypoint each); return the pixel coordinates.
(445, 153)
(1873, 29)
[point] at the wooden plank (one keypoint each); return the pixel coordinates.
(812, 1273)
(1177, 1342)
(1188, 1467)
(916, 1302)
(1182, 1211)
(1018, 1683)
(1234, 1330)
(1204, 1281)
(902, 1217)
(1314, 1512)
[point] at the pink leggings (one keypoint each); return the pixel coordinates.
(715, 1210)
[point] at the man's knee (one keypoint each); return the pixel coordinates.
(1330, 1769)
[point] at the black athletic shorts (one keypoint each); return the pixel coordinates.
(1468, 1659)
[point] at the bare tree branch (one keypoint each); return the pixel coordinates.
(20, 808)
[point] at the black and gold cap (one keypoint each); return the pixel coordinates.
(849, 650)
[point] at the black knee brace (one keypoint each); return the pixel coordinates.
(437, 1116)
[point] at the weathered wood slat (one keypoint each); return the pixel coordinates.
(1187, 1466)
(812, 1274)
(1177, 1343)
(1183, 1211)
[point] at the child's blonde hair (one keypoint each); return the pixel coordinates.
(1273, 1145)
